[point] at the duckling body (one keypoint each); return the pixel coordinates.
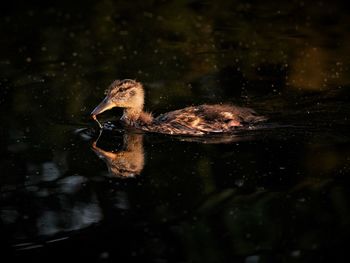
(202, 119)
(194, 120)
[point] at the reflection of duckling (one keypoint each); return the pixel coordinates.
(127, 163)
(195, 120)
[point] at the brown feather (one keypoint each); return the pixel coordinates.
(202, 119)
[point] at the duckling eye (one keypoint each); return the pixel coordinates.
(122, 89)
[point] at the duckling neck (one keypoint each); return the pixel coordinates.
(135, 116)
(131, 115)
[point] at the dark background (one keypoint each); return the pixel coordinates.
(276, 193)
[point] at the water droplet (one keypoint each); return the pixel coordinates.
(104, 255)
(295, 253)
(252, 259)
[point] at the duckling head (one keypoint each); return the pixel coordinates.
(127, 93)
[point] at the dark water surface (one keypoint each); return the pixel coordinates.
(277, 192)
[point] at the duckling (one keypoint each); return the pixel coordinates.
(193, 120)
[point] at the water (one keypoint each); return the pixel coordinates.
(276, 192)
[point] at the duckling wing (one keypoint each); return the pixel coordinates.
(203, 119)
(182, 121)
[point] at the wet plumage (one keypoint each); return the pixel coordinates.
(194, 120)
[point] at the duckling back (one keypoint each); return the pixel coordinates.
(203, 119)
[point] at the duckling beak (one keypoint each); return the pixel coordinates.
(106, 104)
